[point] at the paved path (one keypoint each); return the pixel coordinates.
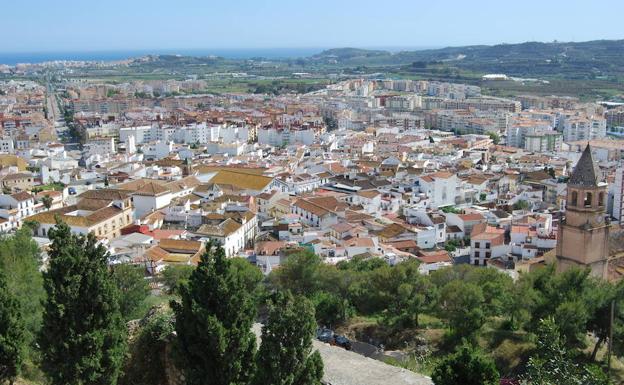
(343, 367)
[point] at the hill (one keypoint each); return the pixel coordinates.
(571, 59)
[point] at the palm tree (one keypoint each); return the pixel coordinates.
(47, 201)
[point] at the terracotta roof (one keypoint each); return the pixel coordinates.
(151, 189)
(393, 230)
(180, 245)
(471, 217)
(88, 220)
(21, 196)
(269, 247)
(241, 180)
(434, 256)
(106, 193)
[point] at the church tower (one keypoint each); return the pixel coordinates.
(583, 238)
(187, 167)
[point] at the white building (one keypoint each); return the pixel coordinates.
(14, 208)
(617, 190)
(577, 128)
(283, 136)
(441, 187)
(105, 146)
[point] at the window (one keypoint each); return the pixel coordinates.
(601, 199)
(477, 254)
(488, 254)
(477, 245)
(487, 245)
(588, 200)
(573, 198)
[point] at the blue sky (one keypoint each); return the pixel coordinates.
(78, 25)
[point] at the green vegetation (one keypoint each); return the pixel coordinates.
(46, 200)
(552, 362)
(19, 260)
(466, 366)
(12, 332)
(83, 335)
(495, 137)
(450, 209)
(463, 322)
(56, 186)
(147, 361)
(286, 356)
(133, 289)
(435, 314)
(213, 323)
(521, 205)
(175, 275)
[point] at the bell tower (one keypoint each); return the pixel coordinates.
(583, 237)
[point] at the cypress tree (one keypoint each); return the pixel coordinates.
(213, 323)
(83, 335)
(12, 336)
(285, 356)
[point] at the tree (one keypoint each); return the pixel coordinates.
(285, 356)
(250, 275)
(47, 201)
(213, 323)
(466, 366)
(147, 361)
(12, 333)
(331, 123)
(19, 260)
(462, 304)
(331, 309)
(175, 275)
(552, 363)
(133, 289)
(569, 298)
(495, 137)
(521, 205)
(298, 274)
(409, 294)
(551, 172)
(83, 335)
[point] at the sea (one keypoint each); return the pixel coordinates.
(13, 58)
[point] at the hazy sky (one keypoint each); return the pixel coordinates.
(72, 25)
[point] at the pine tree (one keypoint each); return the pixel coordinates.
(285, 356)
(83, 335)
(11, 334)
(213, 323)
(467, 366)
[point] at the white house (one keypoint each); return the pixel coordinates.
(440, 187)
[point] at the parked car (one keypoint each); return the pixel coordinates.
(71, 191)
(325, 335)
(342, 341)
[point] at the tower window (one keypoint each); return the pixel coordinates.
(601, 199)
(588, 200)
(574, 198)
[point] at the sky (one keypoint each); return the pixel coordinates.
(96, 25)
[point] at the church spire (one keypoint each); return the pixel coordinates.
(586, 173)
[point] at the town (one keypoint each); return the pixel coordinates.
(395, 169)
(311, 193)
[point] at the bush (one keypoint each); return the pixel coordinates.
(467, 366)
